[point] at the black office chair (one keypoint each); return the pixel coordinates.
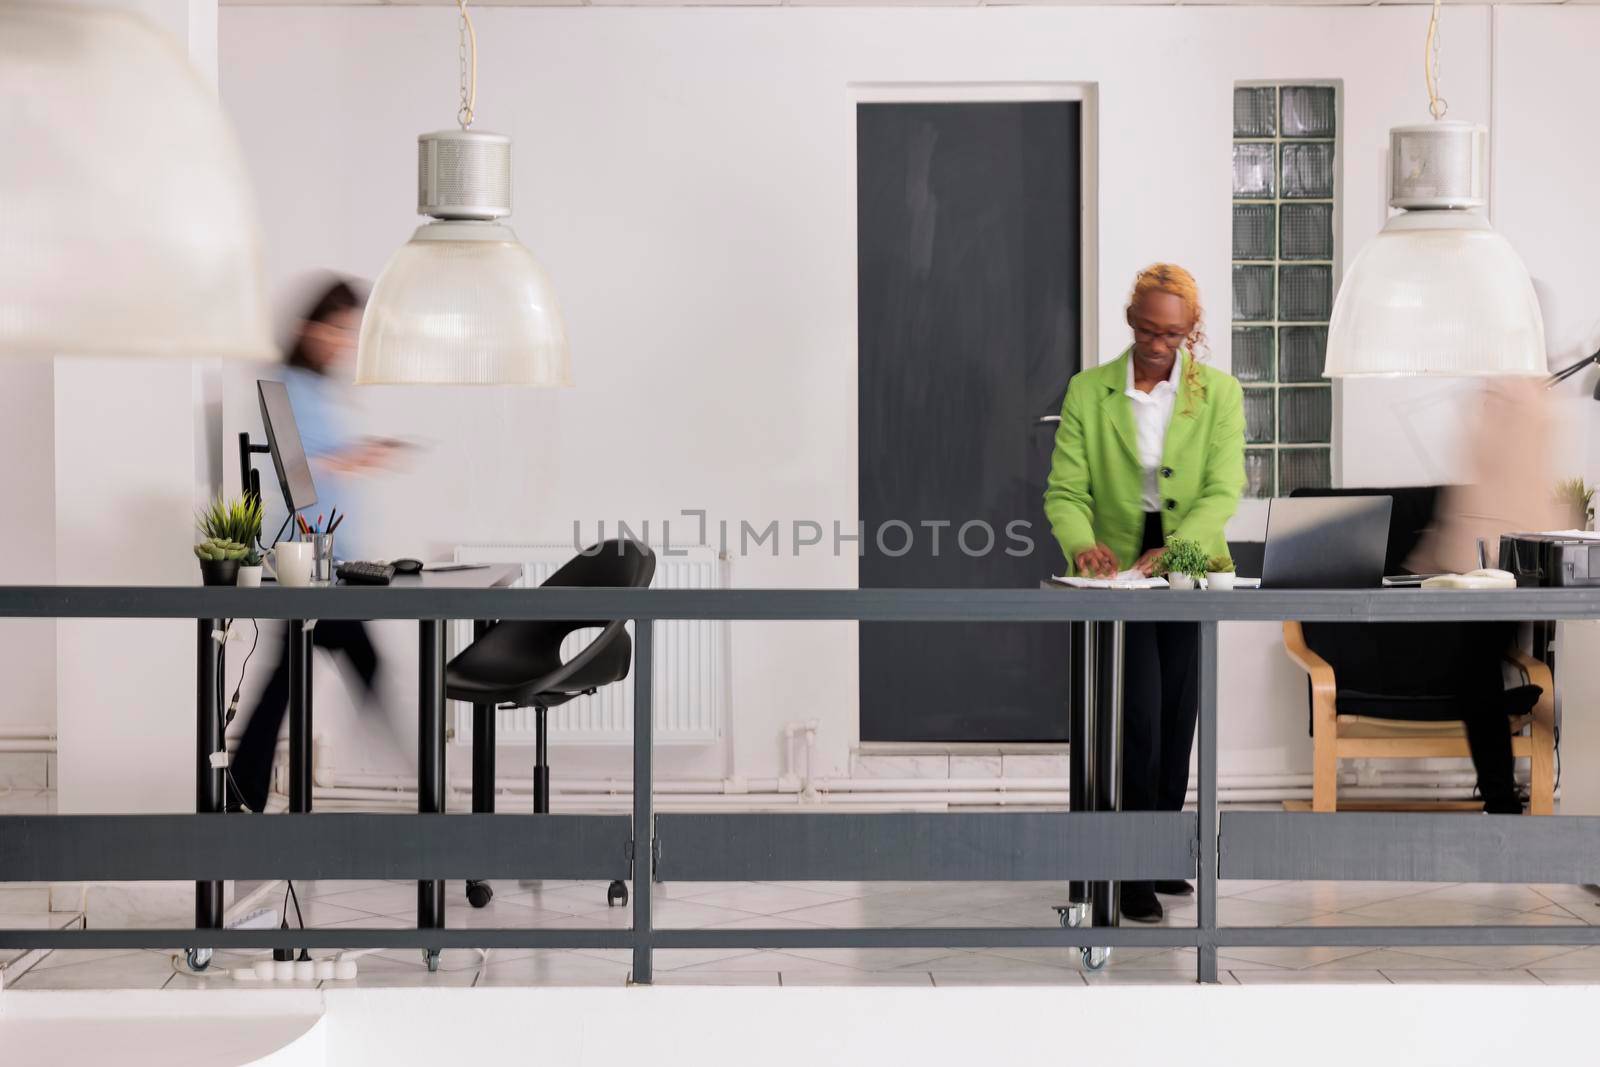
(517, 664)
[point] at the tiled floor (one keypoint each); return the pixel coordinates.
(575, 904)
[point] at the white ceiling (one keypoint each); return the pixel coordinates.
(864, 3)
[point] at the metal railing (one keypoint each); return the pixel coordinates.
(732, 846)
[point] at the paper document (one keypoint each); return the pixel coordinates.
(1125, 580)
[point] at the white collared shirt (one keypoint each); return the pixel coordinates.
(1152, 412)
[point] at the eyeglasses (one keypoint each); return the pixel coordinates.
(1152, 336)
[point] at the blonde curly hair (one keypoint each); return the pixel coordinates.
(1173, 280)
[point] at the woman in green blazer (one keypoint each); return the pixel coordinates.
(1150, 445)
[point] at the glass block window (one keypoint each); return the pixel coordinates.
(1284, 198)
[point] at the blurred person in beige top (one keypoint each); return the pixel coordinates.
(1511, 489)
(1511, 486)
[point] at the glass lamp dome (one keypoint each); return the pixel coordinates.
(126, 216)
(463, 303)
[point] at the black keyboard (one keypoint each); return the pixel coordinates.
(357, 572)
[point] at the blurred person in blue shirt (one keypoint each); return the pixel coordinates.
(321, 353)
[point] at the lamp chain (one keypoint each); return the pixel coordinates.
(467, 58)
(1437, 105)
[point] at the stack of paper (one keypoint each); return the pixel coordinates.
(1125, 580)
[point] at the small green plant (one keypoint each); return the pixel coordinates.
(1578, 497)
(252, 556)
(218, 548)
(1183, 556)
(237, 521)
(1222, 564)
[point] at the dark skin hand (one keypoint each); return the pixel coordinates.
(1161, 324)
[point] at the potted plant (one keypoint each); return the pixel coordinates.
(231, 529)
(250, 567)
(219, 560)
(1577, 498)
(1219, 572)
(1184, 562)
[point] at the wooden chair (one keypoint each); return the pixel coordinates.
(1336, 736)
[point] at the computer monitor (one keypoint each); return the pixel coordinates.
(283, 438)
(1333, 542)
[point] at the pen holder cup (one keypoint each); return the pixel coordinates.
(322, 559)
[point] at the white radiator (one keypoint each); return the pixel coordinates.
(691, 677)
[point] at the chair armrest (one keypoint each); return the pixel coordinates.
(1319, 669)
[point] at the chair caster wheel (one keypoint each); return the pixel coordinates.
(1095, 959)
(479, 894)
(617, 895)
(1073, 915)
(430, 956)
(198, 959)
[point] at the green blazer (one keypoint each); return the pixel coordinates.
(1095, 493)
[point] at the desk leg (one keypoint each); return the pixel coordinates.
(300, 643)
(1206, 898)
(430, 761)
(208, 786)
(1107, 750)
(1080, 745)
(483, 744)
(643, 818)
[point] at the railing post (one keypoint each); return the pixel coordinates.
(643, 819)
(1206, 900)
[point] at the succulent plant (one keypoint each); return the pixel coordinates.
(237, 520)
(1183, 556)
(217, 548)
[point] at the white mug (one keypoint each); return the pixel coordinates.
(291, 560)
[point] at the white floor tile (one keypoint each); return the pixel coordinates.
(865, 978)
(1582, 959)
(1387, 960)
(865, 911)
(1243, 958)
(985, 963)
(139, 970)
(870, 959)
(1488, 895)
(1461, 977)
(1492, 957)
(718, 978)
(553, 968)
(1551, 976)
(1314, 976)
(1317, 897)
(1020, 977)
(771, 961)
(764, 898)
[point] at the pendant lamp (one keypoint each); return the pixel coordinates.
(1437, 292)
(127, 225)
(463, 302)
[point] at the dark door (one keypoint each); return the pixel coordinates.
(968, 231)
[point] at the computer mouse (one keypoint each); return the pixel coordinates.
(406, 566)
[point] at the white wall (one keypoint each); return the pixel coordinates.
(684, 175)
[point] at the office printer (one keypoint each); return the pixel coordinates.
(1550, 559)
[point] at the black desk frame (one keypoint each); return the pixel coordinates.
(1083, 846)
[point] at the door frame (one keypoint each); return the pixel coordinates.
(1086, 94)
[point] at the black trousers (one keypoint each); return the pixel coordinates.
(252, 762)
(1160, 705)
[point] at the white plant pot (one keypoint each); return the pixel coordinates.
(249, 576)
(1180, 581)
(1221, 580)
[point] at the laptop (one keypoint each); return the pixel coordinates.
(1326, 542)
